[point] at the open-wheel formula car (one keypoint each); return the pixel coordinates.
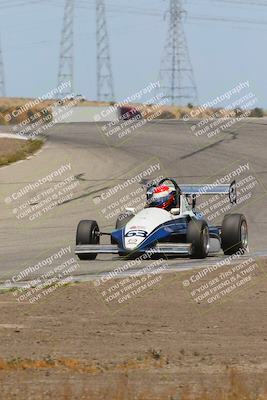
(169, 224)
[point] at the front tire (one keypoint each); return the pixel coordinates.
(87, 233)
(234, 234)
(198, 235)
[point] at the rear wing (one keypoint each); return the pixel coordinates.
(211, 189)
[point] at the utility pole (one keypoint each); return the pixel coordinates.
(105, 89)
(2, 74)
(176, 73)
(65, 73)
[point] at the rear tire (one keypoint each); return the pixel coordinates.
(87, 233)
(234, 234)
(198, 235)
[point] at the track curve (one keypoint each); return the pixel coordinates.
(96, 164)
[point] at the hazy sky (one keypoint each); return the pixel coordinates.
(222, 53)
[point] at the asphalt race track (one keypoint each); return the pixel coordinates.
(98, 165)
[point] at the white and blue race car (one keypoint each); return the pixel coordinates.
(179, 230)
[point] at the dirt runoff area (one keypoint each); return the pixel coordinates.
(168, 341)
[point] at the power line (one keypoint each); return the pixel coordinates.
(241, 2)
(19, 4)
(226, 19)
(124, 9)
(157, 13)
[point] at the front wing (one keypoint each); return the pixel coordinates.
(164, 248)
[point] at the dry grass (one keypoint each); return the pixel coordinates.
(12, 150)
(8, 146)
(236, 389)
(151, 360)
(34, 114)
(125, 389)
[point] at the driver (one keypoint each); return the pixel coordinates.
(162, 196)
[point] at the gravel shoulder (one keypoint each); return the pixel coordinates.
(158, 343)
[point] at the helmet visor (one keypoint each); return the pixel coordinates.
(160, 202)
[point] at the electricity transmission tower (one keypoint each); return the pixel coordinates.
(65, 73)
(105, 90)
(176, 73)
(2, 75)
